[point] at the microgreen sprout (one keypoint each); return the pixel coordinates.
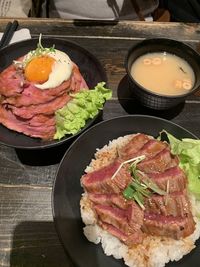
(39, 51)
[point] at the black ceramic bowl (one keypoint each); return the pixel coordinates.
(155, 100)
(89, 66)
(67, 190)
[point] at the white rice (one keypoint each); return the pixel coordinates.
(154, 251)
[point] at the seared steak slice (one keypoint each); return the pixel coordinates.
(150, 149)
(119, 217)
(115, 207)
(100, 180)
(164, 215)
(174, 227)
(116, 217)
(175, 204)
(110, 200)
(131, 148)
(172, 179)
(159, 163)
(129, 240)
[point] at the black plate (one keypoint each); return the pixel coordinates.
(67, 190)
(89, 66)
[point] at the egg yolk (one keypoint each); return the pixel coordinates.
(39, 68)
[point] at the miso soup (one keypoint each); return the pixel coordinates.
(163, 73)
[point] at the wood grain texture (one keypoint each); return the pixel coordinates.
(27, 234)
(126, 29)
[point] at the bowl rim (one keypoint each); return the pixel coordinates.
(56, 193)
(130, 50)
(35, 143)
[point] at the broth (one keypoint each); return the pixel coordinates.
(163, 73)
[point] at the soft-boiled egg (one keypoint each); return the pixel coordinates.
(47, 70)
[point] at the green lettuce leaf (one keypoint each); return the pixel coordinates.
(84, 105)
(188, 151)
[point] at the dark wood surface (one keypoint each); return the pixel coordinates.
(27, 233)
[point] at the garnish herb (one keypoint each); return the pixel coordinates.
(151, 185)
(135, 160)
(141, 186)
(40, 50)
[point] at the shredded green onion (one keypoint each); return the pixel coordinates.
(139, 188)
(135, 160)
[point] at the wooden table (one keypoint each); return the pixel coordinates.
(27, 234)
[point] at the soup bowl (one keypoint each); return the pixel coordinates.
(147, 97)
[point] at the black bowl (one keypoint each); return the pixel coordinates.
(67, 189)
(155, 100)
(89, 66)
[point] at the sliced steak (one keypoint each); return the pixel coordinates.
(159, 163)
(135, 216)
(116, 217)
(131, 212)
(151, 148)
(129, 240)
(175, 204)
(110, 200)
(172, 179)
(100, 180)
(131, 148)
(169, 215)
(174, 227)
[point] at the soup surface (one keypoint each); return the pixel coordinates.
(163, 73)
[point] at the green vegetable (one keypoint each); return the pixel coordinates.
(188, 151)
(84, 105)
(134, 161)
(139, 188)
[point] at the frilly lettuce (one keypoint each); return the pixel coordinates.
(188, 151)
(84, 105)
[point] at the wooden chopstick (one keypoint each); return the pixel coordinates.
(8, 33)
